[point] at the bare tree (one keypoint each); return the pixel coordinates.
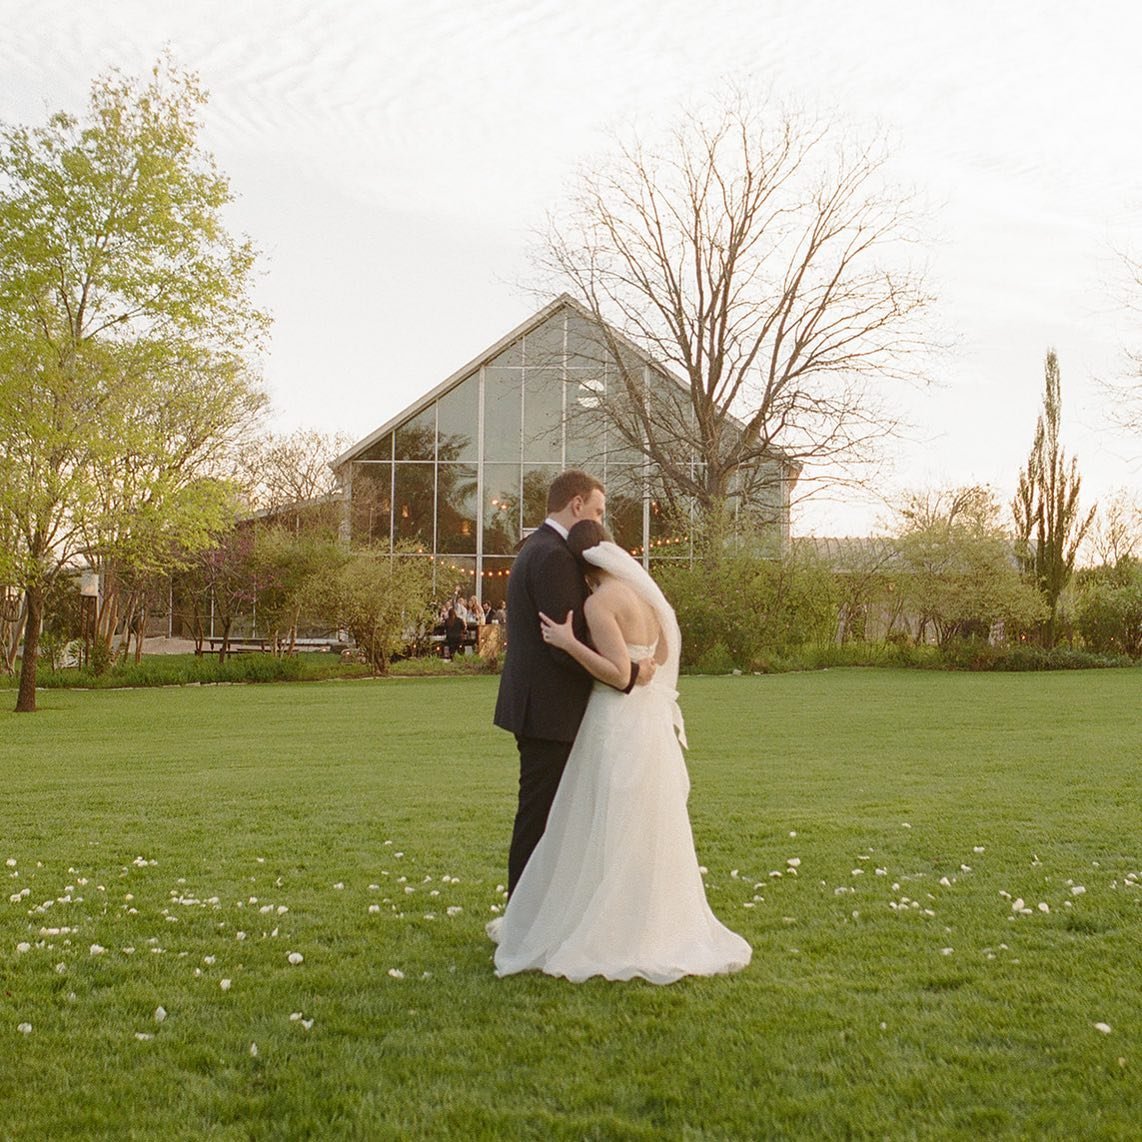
(1125, 393)
(767, 265)
(1117, 531)
(289, 469)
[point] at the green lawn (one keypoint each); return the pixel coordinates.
(201, 835)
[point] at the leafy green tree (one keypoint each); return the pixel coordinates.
(382, 600)
(290, 570)
(958, 570)
(1109, 607)
(127, 338)
(1049, 524)
(739, 609)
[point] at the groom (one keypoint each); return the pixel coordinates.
(543, 691)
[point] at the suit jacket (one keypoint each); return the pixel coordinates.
(543, 691)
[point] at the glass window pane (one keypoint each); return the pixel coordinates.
(501, 508)
(379, 450)
(503, 410)
(586, 344)
(585, 424)
(624, 506)
(456, 508)
(536, 480)
(413, 503)
(416, 438)
(455, 575)
(457, 421)
(495, 586)
(512, 356)
(543, 415)
(370, 516)
(543, 347)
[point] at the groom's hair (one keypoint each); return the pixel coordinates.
(567, 485)
(586, 533)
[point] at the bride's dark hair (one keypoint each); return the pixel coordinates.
(586, 533)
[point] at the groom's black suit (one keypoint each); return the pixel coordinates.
(543, 691)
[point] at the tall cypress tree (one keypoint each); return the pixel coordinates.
(1049, 523)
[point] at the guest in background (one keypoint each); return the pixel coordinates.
(454, 630)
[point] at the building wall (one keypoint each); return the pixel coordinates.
(463, 479)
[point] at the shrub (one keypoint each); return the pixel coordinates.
(973, 655)
(1109, 610)
(737, 610)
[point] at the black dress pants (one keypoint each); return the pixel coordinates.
(541, 765)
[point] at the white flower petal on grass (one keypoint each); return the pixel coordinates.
(239, 935)
(61, 968)
(1077, 890)
(143, 1036)
(396, 973)
(339, 885)
(160, 1013)
(294, 1016)
(1105, 1028)
(307, 1024)
(977, 848)
(295, 958)
(946, 951)
(1044, 906)
(224, 984)
(26, 1028)
(374, 908)
(23, 946)
(97, 949)
(11, 862)
(793, 862)
(945, 882)
(1017, 904)
(208, 960)
(253, 1050)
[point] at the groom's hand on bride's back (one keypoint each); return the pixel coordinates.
(646, 669)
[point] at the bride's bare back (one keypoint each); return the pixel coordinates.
(617, 617)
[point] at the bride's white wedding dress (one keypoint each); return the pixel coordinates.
(613, 888)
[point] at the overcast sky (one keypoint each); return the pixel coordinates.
(391, 160)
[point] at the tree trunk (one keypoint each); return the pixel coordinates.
(14, 636)
(34, 606)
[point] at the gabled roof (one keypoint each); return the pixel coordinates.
(563, 301)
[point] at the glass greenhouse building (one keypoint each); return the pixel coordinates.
(461, 476)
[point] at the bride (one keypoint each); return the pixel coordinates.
(613, 887)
